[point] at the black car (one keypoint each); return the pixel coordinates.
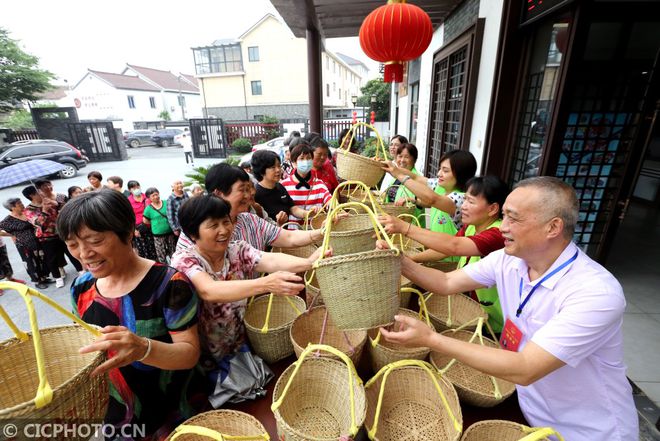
(165, 137)
(53, 150)
(138, 138)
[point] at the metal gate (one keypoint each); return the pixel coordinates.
(97, 139)
(208, 138)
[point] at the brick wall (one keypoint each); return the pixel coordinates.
(464, 16)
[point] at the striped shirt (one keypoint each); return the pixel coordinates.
(316, 196)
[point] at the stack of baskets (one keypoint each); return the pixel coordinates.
(313, 295)
(220, 425)
(268, 320)
(47, 363)
(448, 312)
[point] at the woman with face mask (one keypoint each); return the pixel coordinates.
(143, 240)
(306, 191)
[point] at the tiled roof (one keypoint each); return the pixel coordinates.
(350, 60)
(120, 81)
(165, 79)
(190, 78)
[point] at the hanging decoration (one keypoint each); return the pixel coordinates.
(394, 34)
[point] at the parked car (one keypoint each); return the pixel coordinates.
(138, 138)
(51, 149)
(165, 137)
(274, 145)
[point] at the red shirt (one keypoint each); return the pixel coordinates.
(315, 196)
(327, 175)
(487, 241)
(138, 207)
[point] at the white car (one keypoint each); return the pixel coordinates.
(274, 145)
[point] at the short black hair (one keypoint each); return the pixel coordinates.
(354, 143)
(132, 184)
(463, 166)
(402, 139)
(222, 176)
(103, 210)
(95, 174)
(11, 203)
(29, 191)
(412, 150)
(116, 180)
(491, 187)
(195, 211)
(315, 140)
(71, 189)
(150, 191)
(296, 141)
(262, 160)
(299, 150)
(40, 182)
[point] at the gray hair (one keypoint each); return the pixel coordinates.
(556, 199)
(10, 203)
(196, 186)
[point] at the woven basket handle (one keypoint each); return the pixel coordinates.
(346, 145)
(385, 372)
(378, 228)
(307, 222)
(352, 375)
(413, 220)
(44, 391)
(423, 313)
(539, 433)
(291, 223)
(383, 195)
(264, 329)
(213, 434)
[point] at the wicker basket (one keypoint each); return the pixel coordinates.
(406, 245)
(267, 321)
(303, 251)
(314, 326)
(352, 234)
(409, 400)
(381, 352)
(354, 167)
(404, 299)
(220, 425)
(450, 312)
(316, 222)
(43, 376)
(473, 387)
(319, 399)
(361, 290)
(501, 430)
(313, 295)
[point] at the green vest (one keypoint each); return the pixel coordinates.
(489, 295)
(403, 192)
(442, 222)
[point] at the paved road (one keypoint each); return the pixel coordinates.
(151, 166)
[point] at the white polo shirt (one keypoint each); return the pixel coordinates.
(576, 315)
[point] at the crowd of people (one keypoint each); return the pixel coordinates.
(168, 280)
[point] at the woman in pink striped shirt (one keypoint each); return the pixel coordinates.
(307, 192)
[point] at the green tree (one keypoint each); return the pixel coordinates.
(19, 119)
(382, 92)
(164, 115)
(20, 76)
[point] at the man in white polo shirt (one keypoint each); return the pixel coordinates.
(563, 316)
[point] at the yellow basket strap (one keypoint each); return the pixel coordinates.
(423, 313)
(385, 372)
(264, 329)
(213, 434)
(334, 201)
(352, 375)
(44, 391)
(378, 228)
(538, 433)
(351, 131)
(22, 336)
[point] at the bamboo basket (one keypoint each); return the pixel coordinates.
(409, 400)
(407, 246)
(220, 425)
(43, 377)
(473, 387)
(317, 221)
(268, 320)
(360, 290)
(501, 430)
(314, 326)
(354, 167)
(449, 312)
(310, 398)
(391, 208)
(381, 352)
(303, 251)
(313, 295)
(404, 299)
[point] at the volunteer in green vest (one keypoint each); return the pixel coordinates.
(395, 143)
(406, 157)
(479, 236)
(444, 195)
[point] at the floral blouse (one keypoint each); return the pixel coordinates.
(221, 328)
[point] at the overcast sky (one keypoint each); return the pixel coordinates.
(73, 35)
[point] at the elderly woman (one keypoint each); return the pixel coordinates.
(147, 311)
(155, 216)
(17, 225)
(219, 267)
(143, 240)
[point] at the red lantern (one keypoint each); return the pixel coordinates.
(373, 117)
(395, 33)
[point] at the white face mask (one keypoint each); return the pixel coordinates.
(136, 191)
(304, 166)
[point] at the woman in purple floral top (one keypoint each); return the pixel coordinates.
(219, 270)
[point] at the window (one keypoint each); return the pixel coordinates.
(152, 102)
(334, 67)
(327, 62)
(218, 59)
(340, 94)
(181, 100)
(256, 87)
(327, 90)
(131, 102)
(253, 53)
(334, 86)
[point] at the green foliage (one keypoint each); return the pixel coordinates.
(197, 176)
(20, 76)
(370, 146)
(19, 119)
(334, 143)
(382, 92)
(233, 160)
(267, 119)
(242, 145)
(274, 130)
(164, 115)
